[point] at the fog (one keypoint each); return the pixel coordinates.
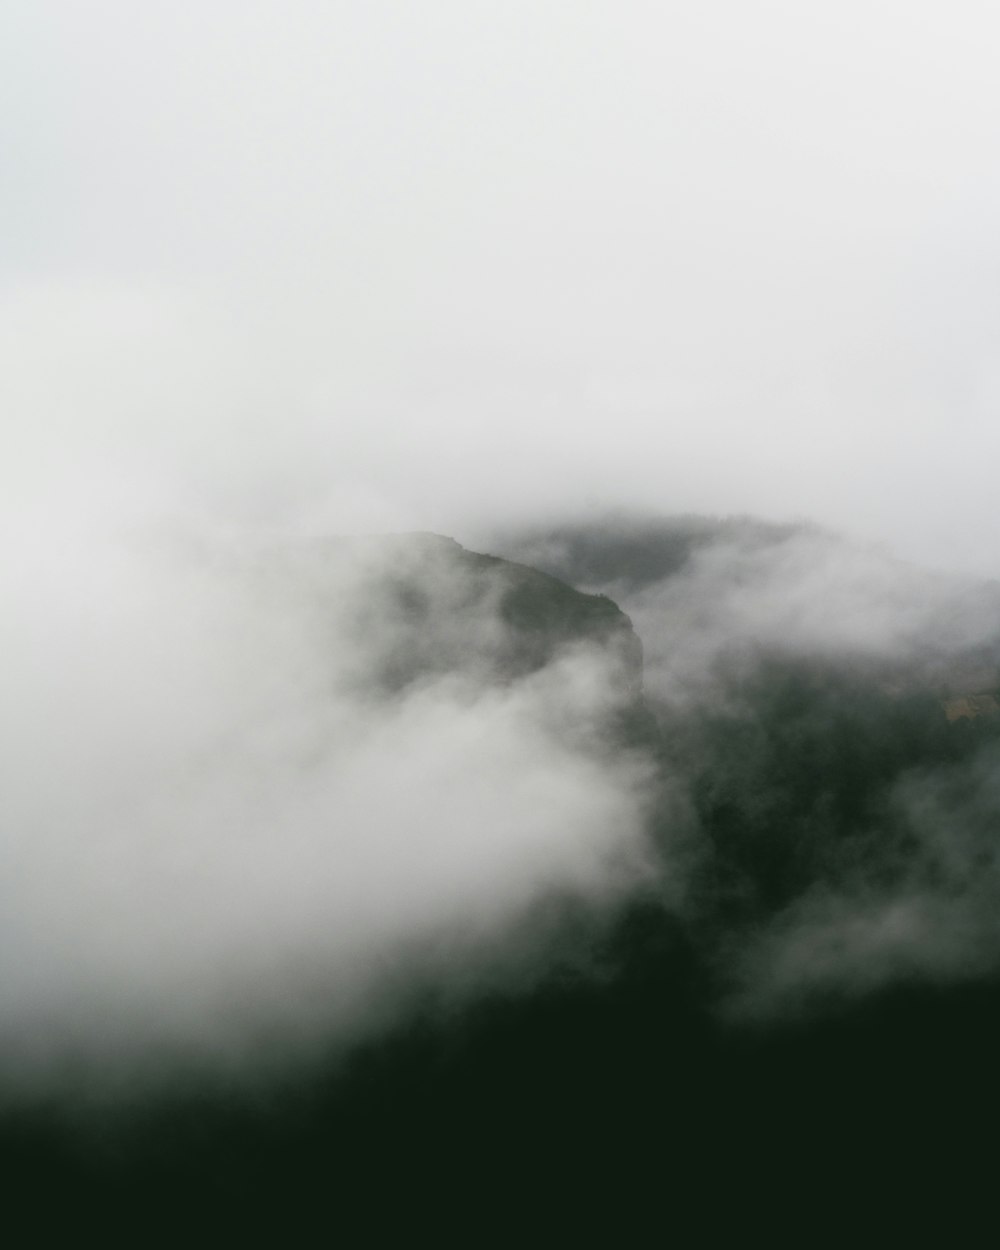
(276, 271)
(759, 638)
(919, 901)
(224, 831)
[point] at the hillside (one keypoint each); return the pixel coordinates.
(802, 994)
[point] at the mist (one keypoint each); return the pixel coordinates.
(231, 826)
(830, 710)
(271, 273)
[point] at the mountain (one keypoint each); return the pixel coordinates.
(790, 1023)
(831, 714)
(632, 551)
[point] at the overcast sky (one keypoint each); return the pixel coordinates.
(345, 264)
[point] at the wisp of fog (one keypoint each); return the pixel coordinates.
(228, 822)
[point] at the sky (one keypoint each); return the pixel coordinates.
(346, 265)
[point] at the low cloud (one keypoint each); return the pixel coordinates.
(830, 709)
(904, 888)
(245, 806)
(928, 917)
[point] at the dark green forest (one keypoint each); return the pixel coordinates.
(631, 1082)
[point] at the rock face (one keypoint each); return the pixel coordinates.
(421, 606)
(460, 611)
(408, 611)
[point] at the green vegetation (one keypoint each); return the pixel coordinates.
(611, 1082)
(796, 782)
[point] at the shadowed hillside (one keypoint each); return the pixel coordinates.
(799, 1004)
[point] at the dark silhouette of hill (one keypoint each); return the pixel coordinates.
(620, 1087)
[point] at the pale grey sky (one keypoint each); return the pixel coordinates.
(360, 264)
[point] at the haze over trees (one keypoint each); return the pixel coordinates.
(628, 893)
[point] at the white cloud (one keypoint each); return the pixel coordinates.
(812, 594)
(215, 829)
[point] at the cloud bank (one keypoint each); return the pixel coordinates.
(832, 712)
(242, 808)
